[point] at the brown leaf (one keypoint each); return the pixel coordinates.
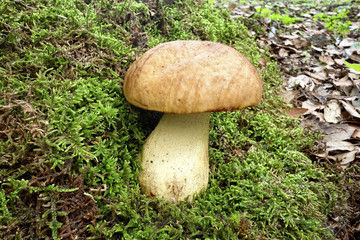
(317, 75)
(337, 132)
(295, 40)
(355, 57)
(288, 43)
(311, 106)
(356, 102)
(319, 115)
(354, 76)
(263, 61)
(325, 90)
(356, 134)
(332, 112)
(339, 146)
(302, 80)
(283, 52)
(296, 112)
(343, 82)
(339, 61)
(350, 109)
(301, 42)
(288, 96)
(327, 59)
(345, 158)
(291, 49)
(332, 51)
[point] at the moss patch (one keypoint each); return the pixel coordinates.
(69, 140)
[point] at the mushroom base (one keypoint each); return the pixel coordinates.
(174, 160)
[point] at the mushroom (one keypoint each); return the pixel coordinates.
(186, 80)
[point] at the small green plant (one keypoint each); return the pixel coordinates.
(354, 66)
(53, 224)
(286, 19)
(5, 216)
(335, 23)
(264, 12)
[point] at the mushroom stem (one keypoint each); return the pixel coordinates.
(174, 160)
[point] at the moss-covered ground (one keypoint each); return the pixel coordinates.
(69, 140)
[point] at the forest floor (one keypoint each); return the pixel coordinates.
(317, 48)
(69, 141)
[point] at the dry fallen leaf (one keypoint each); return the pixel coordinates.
(347, 42)
(325, 90)
(288, 96)
(283, 52)
(347, 157)
(326, 59)
(296, 112)
(354, 75)
(317, 75)
(343, 82)
(339, 146)
(350, 109)
(311, 106)
(295, 40)
(337, 132)
(339, 61)
(356, 102)
(303, 81)
(263, 61)
(332, 112)
(319, 115)
(301, 42)
(355, 57)
(356, 134)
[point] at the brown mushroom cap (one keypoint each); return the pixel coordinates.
(191, 77)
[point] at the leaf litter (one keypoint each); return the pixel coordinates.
(321, 85)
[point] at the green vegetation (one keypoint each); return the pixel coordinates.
(264, 12)
(335, 23)
(286, 19)
(356, 67)
(69, 140)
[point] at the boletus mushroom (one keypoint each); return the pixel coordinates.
(186, 80)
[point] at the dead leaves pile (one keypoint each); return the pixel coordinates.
(320, 89)
(318, 86)
(325, 93)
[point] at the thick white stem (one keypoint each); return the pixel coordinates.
(174, 160)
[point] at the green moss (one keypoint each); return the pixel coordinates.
(273, 182)
(61, 69)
